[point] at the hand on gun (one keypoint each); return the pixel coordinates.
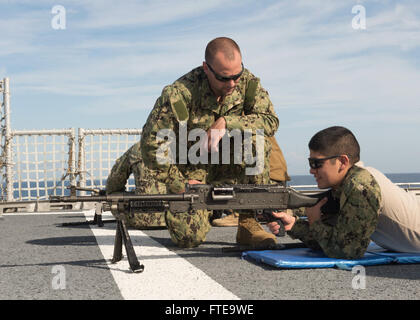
(194, 182)
(313, 213)
(214, 135)
(288, 222)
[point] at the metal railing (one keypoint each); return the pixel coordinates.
(35, 164)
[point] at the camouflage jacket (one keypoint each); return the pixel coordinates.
(190, 100)
(345, 234)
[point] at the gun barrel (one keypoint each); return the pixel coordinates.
(124, 197)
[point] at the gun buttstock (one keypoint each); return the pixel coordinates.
(298, 200)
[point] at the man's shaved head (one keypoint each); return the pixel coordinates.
(222, 44)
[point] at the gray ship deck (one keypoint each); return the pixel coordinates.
(40, 259)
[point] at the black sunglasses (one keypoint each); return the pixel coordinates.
(226, 79)
(316, 163)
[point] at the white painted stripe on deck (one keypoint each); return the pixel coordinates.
(166, 275)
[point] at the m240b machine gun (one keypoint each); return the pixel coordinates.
(262, 199)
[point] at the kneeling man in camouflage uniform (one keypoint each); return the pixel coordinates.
(217, 98)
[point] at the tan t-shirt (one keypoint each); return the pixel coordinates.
(398, 226)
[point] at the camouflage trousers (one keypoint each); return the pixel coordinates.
(131, 163)
(188, 229)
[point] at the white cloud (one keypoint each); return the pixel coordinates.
(317, 69)
(108, 14)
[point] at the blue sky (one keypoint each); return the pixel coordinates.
(110, 63)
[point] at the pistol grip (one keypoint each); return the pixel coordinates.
(282, 230)
(268, 216)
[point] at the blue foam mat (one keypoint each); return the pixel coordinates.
(307, 258)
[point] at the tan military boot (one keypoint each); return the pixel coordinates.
(230, 220)
(252, 234)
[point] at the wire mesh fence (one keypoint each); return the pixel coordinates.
(43, 163)
(98, 150)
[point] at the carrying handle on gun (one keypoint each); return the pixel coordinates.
(222, 193)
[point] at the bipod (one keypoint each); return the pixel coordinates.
(121, 236)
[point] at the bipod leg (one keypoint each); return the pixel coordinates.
(97, 219)
(98, 215)
(117, 244)
(135, 265)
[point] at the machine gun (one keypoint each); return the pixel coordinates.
(262, 199)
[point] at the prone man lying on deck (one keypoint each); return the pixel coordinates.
(368, 205)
